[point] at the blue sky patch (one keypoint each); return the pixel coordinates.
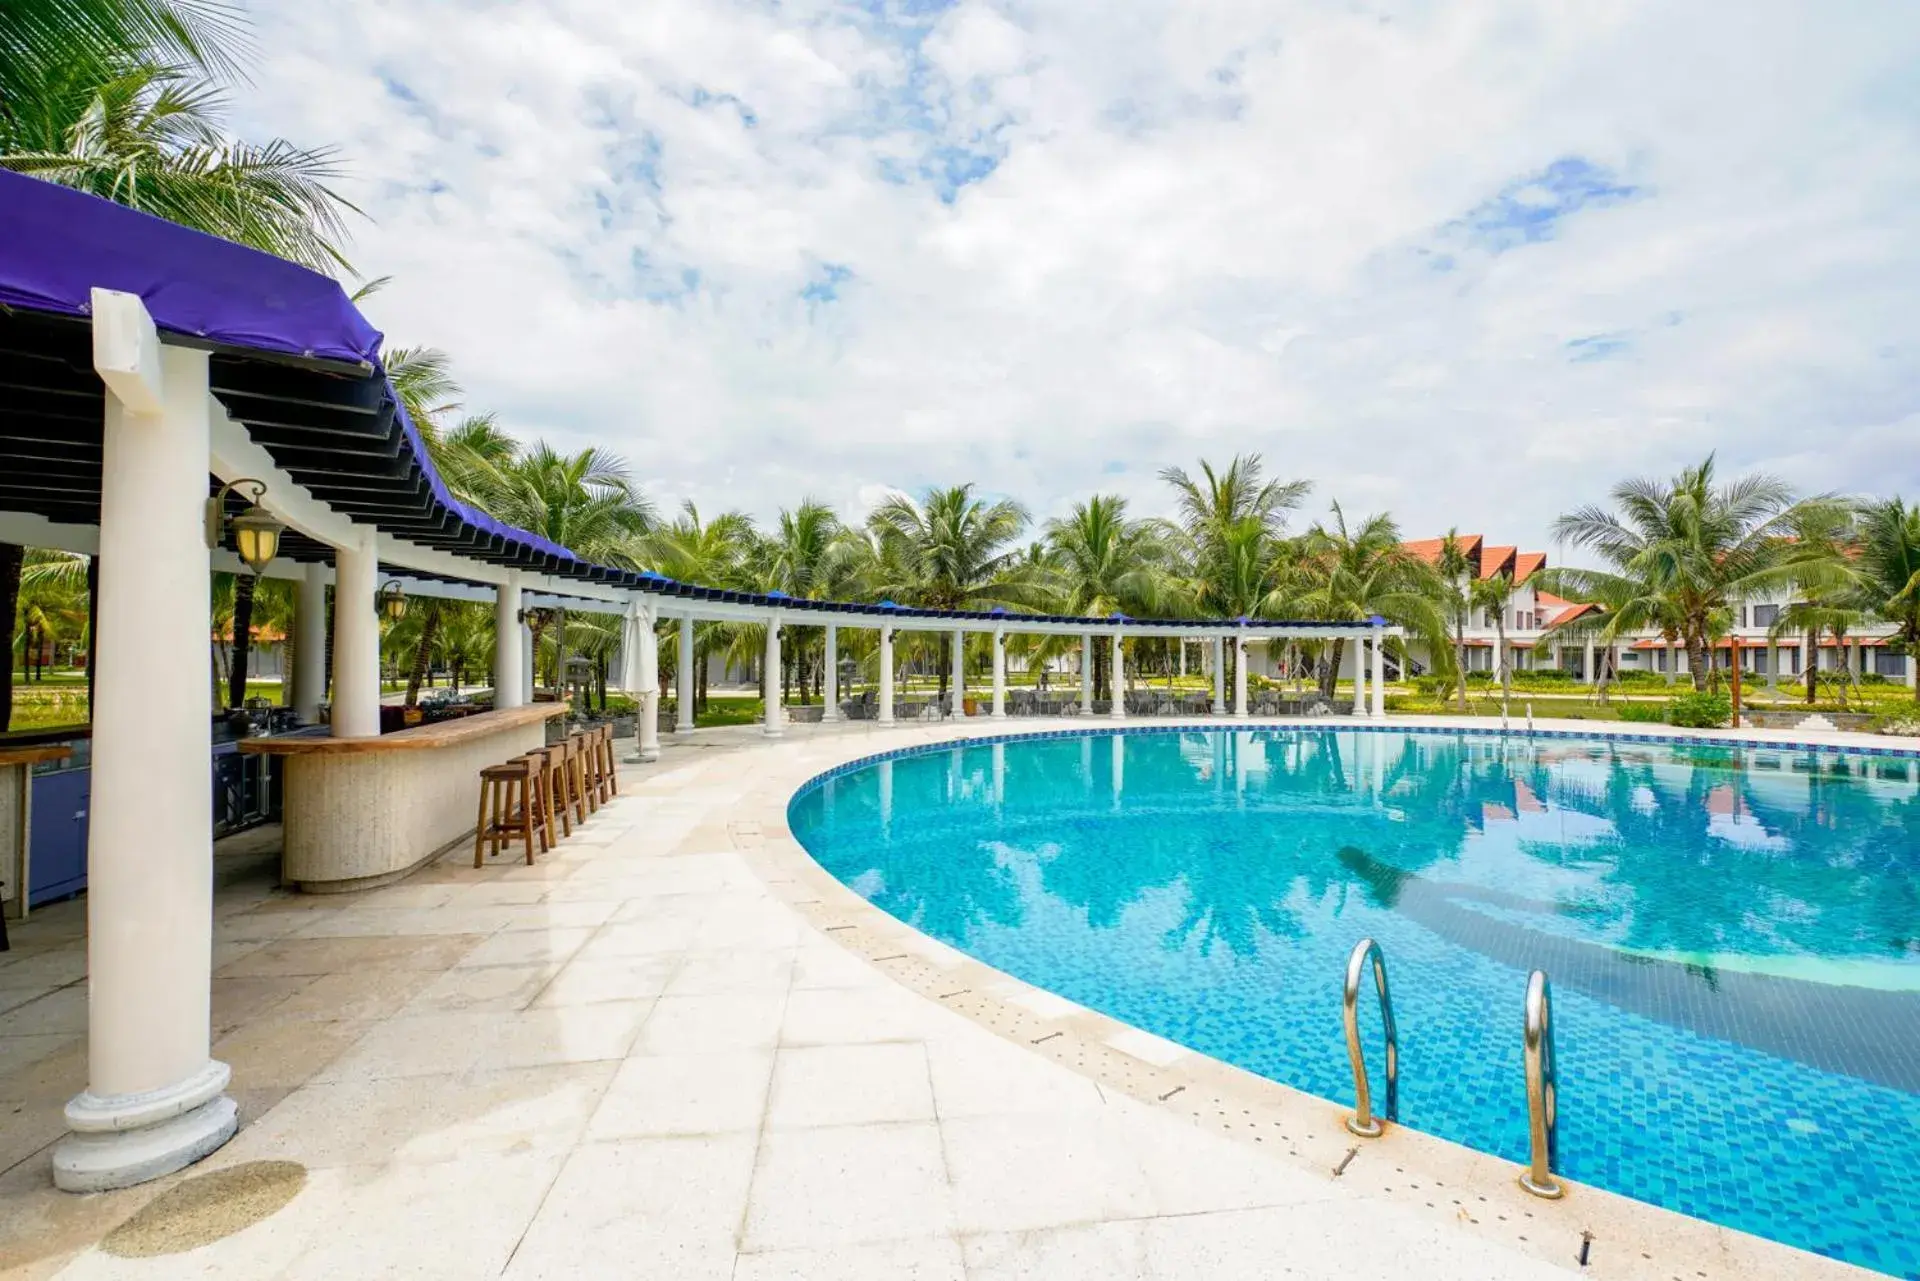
(1596, 347)
(1531, 209)
(826, 282)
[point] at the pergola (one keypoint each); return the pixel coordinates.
(144, 368)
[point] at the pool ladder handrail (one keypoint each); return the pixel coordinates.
(1363, 1122)
(1543, 1092)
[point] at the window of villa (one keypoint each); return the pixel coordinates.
(1765, 615)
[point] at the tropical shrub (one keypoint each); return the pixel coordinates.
(1702, 709)
(1643, 713)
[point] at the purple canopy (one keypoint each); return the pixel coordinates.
(57, 245)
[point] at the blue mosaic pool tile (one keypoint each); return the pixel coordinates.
(1730, 929)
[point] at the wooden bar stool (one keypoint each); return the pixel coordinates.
(598, 740)
(586, 748)
(573, 790)
(611, 763)
(505, 814)
(544, 796)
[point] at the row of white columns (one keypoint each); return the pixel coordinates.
(1369, 696)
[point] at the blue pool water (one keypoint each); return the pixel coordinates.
(1733, 934)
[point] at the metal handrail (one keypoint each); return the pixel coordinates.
(1543, 1091)
(1363, 1122)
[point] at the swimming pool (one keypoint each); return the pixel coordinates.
(1733, 934)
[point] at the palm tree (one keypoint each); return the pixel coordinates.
(147, 134)
(692, 550)
(1889, 569)
(43, 40)
(1456, 574)
(951, 550)
(808, 555)
(1492, 596)
(1693, 544)
(1351, 573)
(1226, 520)
(1104, 564)
(1820, 561)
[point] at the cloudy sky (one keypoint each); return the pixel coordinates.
(1467, 262)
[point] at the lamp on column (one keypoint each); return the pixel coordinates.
(256, 533)
(391, 600)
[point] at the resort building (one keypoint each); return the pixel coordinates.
(1538, 632)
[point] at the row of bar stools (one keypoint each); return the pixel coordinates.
(521, 798)
(508, 807)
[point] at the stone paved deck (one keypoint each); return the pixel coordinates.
(634, 1060)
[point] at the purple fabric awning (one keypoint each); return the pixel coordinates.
(57, 245)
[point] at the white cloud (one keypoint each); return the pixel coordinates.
(1203, 226)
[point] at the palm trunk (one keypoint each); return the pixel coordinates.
(423, 652)
(1813, 665)
(1330, 677)
(1697, 659)
(243, 585)
(1460, 661)
(12, 555)
(1506, 657)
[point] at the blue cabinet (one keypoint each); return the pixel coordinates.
(57, 865)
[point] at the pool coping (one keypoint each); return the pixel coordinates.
(1623, 1239)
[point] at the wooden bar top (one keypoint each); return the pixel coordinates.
(421, 738)
(34, 755)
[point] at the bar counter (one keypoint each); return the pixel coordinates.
(361, 812)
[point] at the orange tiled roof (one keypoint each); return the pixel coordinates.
(1495, 559)
(1428, 549)
(1526, 564)
(1568, 614)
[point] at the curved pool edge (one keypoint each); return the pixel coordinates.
(1474, 1191)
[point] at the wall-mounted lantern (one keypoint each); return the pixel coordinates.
(256, 533)
(391, 600)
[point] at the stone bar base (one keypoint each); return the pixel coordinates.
(359, 812)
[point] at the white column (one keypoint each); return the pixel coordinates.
(999, 674)
(1119, 709)
(1240, 677)
(683, 679)
(1359, 676)
(885, 714)
(775, 717)
(1913, 666)
(958, 661)
(830, 684)
(646, 739)
(154, 1100)
(527, 657)
(1086, 674)
(1219, 676)
(1588, 671)
(1183, 655)
(507, 642)
(1379, 672)
(356, 640)
(310, 645)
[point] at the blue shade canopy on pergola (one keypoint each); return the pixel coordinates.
(294, 362)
